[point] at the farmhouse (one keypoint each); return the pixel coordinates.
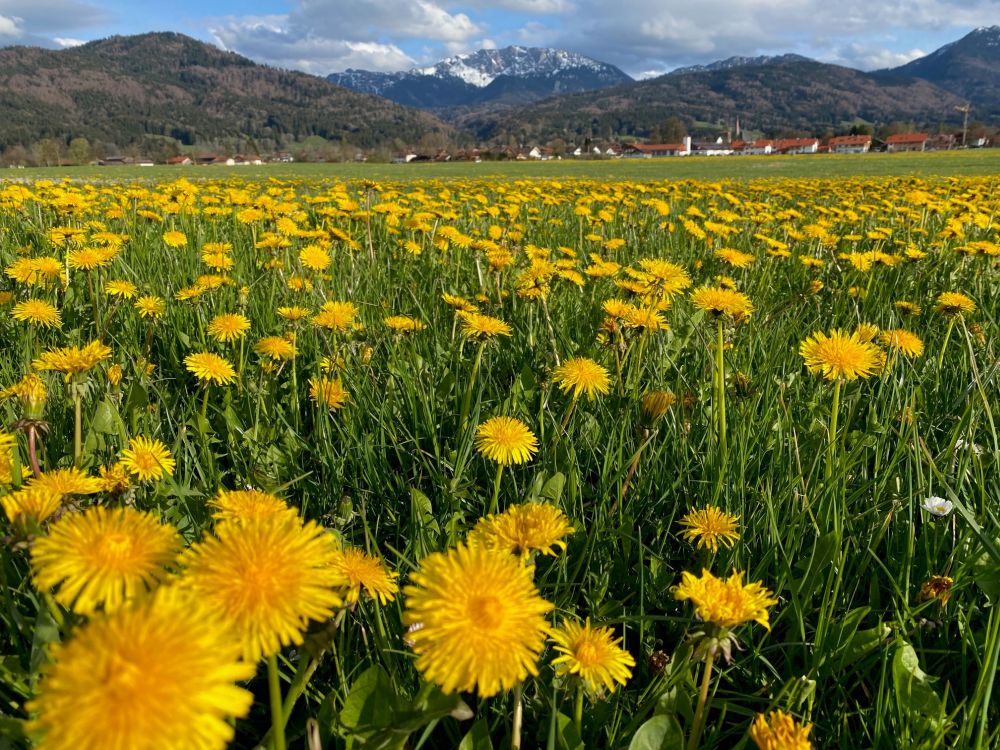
(850, 144)
(651, 150)
(906, 142)
(796, 145)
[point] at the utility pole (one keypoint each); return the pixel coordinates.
(965, 121)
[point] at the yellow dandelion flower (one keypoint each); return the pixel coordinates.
(459, 303)
(72, 360)
(103, 556)
(66, 482)
(115, 374)
(314, 258)
(175, 239)
(30, 391)
(8, 445)
(936, 588)
(582, 375)
(779, 731)
(162, 674)
(337, 316)
(478, 620)
(594, 654)
(368, 572)
(523, 529)
(210, 368)
(36, 503)
(954, 303)
(734, 257)
(482, 327)
(294, 313)
(505, 440)
(114, 479)
(37, 312)
(840, 355)
(710, 526)
(725, 603)
(276, 348)
(328, 392)
(904, 341)
(866, 331)
(147, 459)
(908, 308)
(721, 301)
(657, 403)
(268, 578)
(247, 505)
(404, 324)
(150, 306)
(228, 327)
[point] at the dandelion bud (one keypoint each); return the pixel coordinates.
(657, 403)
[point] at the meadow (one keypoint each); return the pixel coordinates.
(333, 458)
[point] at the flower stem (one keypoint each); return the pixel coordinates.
(515, 727)
(277, 714)
(944, 345)
(36, 469)
(698, 724)
(720, 368)
(831, 450)
(578, 710)
(496, 490)
(467, 400)
(565, 421)
(77, 427)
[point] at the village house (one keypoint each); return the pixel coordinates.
(850, 144)
(656, 150)
(759, 147)
(179, 161)
(796, 146)
(718, 147)
(940, 142)
(906, 142)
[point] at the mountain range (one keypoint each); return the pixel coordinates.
(127, 90)
(513, 75)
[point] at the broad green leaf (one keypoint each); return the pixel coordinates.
(662, 732)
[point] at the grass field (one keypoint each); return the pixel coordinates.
(603, 455)
(942, 163)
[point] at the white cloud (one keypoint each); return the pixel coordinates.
(874, 58)
(67, 42)
(10, 26)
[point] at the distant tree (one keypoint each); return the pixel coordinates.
(47, 152)
(673, 130)
(17, 156)
(79, 151)
(861, 129)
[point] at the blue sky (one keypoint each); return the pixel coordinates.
(643, 37)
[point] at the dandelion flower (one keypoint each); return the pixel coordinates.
(228, 327)
(120, 288)
(908, 308)
(582, 375)
(337, 316)
(268, 577)
(904, 341)
(725, 603)
(210, 368)
(103, 556)
(480, 619)
(162, 674)
(592, 653)
(523, 529)
(73, 360)
(779, 731)
(710, 526)
(482, 327)
(506, 440)
(368, 572)
(937, 587)
(147, 459)
(293, 313)
(37, 312)
(247, 505)
(404, 324)
(734, 257)
(150, 307)
(954, 303)
(719, 301)
(276, 348)
(36, 503)
(114, 479)
(30, 391)
(657, 403)
(328, 392)
(314, 258)
(70, 481)
(175, 239)
(840, 355)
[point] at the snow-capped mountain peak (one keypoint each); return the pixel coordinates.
(484, 66)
